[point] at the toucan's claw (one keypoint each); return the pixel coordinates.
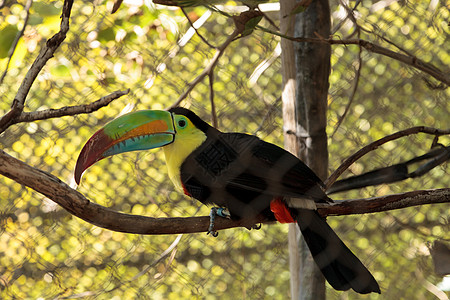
(257, 226)
(216, 211)
(213, 233)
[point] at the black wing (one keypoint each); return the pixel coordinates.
(244, 174)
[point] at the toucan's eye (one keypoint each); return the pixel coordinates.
(182, 123)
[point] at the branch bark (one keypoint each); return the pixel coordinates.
(78, 205)
(69, 110)
(44, 55)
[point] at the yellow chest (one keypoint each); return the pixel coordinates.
(185, 143)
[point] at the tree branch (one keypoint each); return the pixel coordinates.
(78, 205)
(374, 145)
(44, 55)
(195, 28)
(208, 69)
(371, 47)
(352, 95)
(69, 110)
(385, 203)
(240, 22)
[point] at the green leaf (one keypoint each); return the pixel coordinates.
(60, 71)
(46, 9)
(7, 36)
(250, 25)
(106, 35)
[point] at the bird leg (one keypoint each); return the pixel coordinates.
(216, 211)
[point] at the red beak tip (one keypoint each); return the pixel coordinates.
(79, 169)
(77, 177)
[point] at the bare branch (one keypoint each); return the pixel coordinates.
(374, 145)
(208, 69)
(69, 110)
(116, 6)
(371, 47)
(240, 21)
(407, 59)
(44, 55)
(385, 203)
(352, 96)
(78, 205)
(350, 15)
(167, 2)
(214, 122)
(16, 40)
(196, 31)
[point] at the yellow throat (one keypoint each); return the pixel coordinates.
(186, 141)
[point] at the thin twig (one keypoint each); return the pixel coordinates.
(170, 250)
(240, 22)
(374, 145)
(352, 95)
(271, 22)
(269, 112)
(214, 122)
(371, 47)
(44, 55)
(116, 6)
(350, 15)
(12, 50)
(69, 110)
(208, 69)
(386, 40)
(196, 31)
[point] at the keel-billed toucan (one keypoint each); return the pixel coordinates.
(236, 171)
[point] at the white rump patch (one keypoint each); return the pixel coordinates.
(301, 203)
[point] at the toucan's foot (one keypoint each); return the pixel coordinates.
(216, 211)
(257, 226)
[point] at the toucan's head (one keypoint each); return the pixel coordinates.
(143, 130)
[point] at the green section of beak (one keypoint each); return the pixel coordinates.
(141, 130)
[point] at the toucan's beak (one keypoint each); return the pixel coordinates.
(141, 130)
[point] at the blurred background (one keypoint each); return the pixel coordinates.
(46, 253)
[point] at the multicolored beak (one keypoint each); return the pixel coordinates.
(141, 130)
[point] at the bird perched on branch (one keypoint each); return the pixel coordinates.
(237, 172)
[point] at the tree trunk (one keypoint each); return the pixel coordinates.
(304, 113)
(291, 144)
(313, 69)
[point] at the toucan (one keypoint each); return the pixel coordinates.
(238, 172)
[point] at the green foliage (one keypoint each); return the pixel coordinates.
(47, 253)
(7, 35)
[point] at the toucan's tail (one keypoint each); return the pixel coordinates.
(341, 268)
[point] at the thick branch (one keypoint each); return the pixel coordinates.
(44, 55)
(78, 205)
